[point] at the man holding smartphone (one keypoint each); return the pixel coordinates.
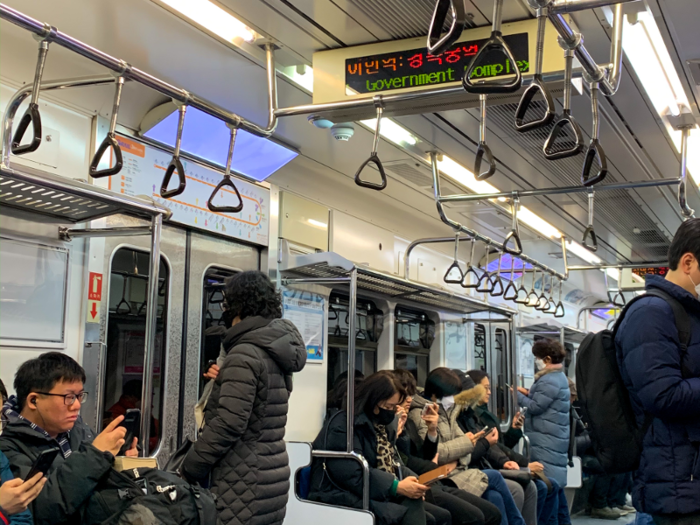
(45, 414)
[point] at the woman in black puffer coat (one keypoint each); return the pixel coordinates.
(242, 444)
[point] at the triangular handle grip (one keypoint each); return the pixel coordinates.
(590, 233)
(110, 141)
(452, 276)
(560, 311)
(522, 297)
(371, 185)
(226, 182)
(485, 285)
(497, 288)
(466, 281)
(538, 86)
(33, 117)
(532, 299)
(552, 308)
(619, 299)
(495, 43)
(564, 122)
(511, 292)
(175, 165)
(437, 44)
(517, 248)
(483, 153)
(595, 150)
(542, 303)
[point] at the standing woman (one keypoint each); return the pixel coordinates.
(548, 405)
(242, 444)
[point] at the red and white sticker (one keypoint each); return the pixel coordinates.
(94, 297)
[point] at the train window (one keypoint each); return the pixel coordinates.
(33, 292)
(415, 334)
(369, 325)
(213, 324)
(456, 345)
(126, 327)
(480, 359)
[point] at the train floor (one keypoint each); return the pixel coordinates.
(587, 520)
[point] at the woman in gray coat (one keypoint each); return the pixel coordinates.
(548, 405)
(242, 444)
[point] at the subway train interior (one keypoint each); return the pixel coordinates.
(429, 183)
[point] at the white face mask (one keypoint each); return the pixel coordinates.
(539, 364)
(447, 402)
(697, 287)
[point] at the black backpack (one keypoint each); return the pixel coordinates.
(171, 499)
(605, 401)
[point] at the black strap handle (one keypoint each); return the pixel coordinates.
(437, 44)
(483, 152)
(522, 297)
(497, 288)
(511, 292)
(560, 311)
(495, 43)
(459, 277)
(590, 232)
(618, 300)
(32, 115)
(227, 181)
(514, 234)
(532, 297)
(595, 151)
(538, 86)
(466, 281)
(567, 128)
(374, 158)
(174, 166)
(110, 140)
(485, 285)
(542, 303)
(176, 163)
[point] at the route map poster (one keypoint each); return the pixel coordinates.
(307, 311)
(142, 174)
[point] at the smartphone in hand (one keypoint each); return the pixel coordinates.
(43, 462)
(132, 423)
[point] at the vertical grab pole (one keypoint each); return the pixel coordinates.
(150, 339)
(352, 310)
(686, 211)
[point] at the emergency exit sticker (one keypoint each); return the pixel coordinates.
(94, 297)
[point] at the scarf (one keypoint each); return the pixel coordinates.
(385, 451)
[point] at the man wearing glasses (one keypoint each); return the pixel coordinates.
(45, 414)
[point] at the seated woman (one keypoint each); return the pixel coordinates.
(455, 447)
(549, 510)
(396, 497)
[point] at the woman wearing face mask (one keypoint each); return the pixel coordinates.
(455, 448)
(548, 405)
(396, 497)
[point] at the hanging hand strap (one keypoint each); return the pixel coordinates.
(454, 273)
(110, 140)
(543, 302)
(497, 288)
(532, 298)
(590, 232)
(511, 291)
(175, 163)
(438, 43)
(374, 158)
(495, 43)
(483, 152)
(485, 285)
(538, 86)
(32, 115)
(514, 234)
(560, 311)
(466, 280)
(566, 127)
(595, 150)
(227, 182)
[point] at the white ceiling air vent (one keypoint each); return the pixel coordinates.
(419, 176)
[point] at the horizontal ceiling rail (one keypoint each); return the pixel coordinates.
(52, 35)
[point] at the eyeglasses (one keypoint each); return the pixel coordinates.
(68, 399)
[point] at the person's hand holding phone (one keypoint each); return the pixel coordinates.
(431, 417)
(475, 437)
(16, 494)
(523, 391)
(111, 438)
(212, 372)
(410, 488)
(133, 452)
(402, 417)
(451, 466)
(492, 436)
(518, 421)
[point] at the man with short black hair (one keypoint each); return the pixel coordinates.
(662, 375)
(45, 414)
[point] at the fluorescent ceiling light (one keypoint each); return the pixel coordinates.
(301, 75)
(392, 131)
(213, 18)
(587, 255)
(314, 222)
(613, 272)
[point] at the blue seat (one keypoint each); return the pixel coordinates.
(304, 482)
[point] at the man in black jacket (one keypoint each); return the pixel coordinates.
(45, 415)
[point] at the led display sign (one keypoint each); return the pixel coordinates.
(418, 68)
(643, 272)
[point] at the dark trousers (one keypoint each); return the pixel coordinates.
(416, 513)
(609, 490)
(677, 519)
(465, 508)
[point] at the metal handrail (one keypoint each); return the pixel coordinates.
(329, 454)
(129, 72)
(426, 240)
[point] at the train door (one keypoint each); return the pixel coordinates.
(210, 261)
(415, 334)
(114, 349)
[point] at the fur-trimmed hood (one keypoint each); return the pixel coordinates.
(470, 397)
(550, 370)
